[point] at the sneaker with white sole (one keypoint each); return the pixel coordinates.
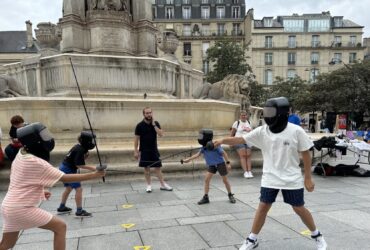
(249, 244)
(250, 174)
(246, 174)
(166, 187)
(320, 242)
(149, 189)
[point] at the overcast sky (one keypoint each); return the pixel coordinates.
(14, 13)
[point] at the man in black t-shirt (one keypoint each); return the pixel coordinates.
(146, 148)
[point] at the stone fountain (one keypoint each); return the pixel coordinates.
(112, 44)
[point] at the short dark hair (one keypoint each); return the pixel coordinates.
(145, 109)
(17, 119)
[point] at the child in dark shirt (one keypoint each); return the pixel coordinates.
(72, 163)
(215, 160)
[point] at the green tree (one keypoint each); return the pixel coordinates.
(227, 57)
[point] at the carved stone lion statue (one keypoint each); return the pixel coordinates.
(117, 5)
(10, 88)
(233, 88)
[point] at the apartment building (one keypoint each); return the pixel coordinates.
(199, 23)
(303, 45)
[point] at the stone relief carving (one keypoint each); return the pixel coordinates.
(10, 88)
(233, 88)
(116, 5)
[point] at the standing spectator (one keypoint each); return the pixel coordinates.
(367, 135)
(294, 118)
(146, 148)
(281, 144)
(12, 149)
(240, 128)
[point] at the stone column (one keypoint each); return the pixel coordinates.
(73, 26)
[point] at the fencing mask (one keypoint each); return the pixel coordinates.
(276, 113)
(37, 140)
(86, 139)
(204, 136)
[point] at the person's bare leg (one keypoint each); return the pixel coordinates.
(59, 228)
(260, 217)
(159, 174)
(207, 181)
(8, 241)
(65, 195)
(242, 155)
(147, 176)
(306, 217)
(248, 157)
(227, 184)
(78, 197)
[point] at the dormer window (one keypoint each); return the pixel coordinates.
(267, 21)
(338, 21)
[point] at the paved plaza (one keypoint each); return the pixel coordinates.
(126, 217)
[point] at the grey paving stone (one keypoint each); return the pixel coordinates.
(350, 240)
(71, 244)
(271, 231)
(106, 200)
(223, 248)
(356, 218)
(219, 207)
(179, 238)
(111, 187)
(163, 213)
(198, 194)
(218, 234)
(116, 241)
(154, 224)
(155, 196)
(301, 243)
(205, 219)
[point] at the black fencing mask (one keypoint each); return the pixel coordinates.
(276, 113)
(86, 139)
(37, 140)
(204, 136)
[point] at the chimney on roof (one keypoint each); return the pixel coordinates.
(29, 34)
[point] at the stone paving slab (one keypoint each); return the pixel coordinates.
(125, 216)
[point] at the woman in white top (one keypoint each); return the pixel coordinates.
(240, 128)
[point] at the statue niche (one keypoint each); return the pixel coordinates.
(115, 5)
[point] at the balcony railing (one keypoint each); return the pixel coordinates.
(268, 62)
(291, 62)
(269, 44)
(314, 62)
(315, 44)
(236, 33)
(292, 44)
(210, 33)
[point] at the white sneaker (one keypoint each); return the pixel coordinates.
(250, 174)
(320, 242)
(148, 189)
(166, 187)
(246, 174)
(249, 244)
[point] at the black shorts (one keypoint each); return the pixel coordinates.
(293, 197)
(150, 159)
(221, 168)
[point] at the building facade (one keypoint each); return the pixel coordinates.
(303, 45)
(199, 23)
(16, 45)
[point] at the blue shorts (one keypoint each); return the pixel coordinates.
(68, 170)
(240, 146)
(293, 197)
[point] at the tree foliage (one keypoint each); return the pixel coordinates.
(227, 57)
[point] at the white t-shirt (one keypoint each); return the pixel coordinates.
(280, 155)
(243, 128)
